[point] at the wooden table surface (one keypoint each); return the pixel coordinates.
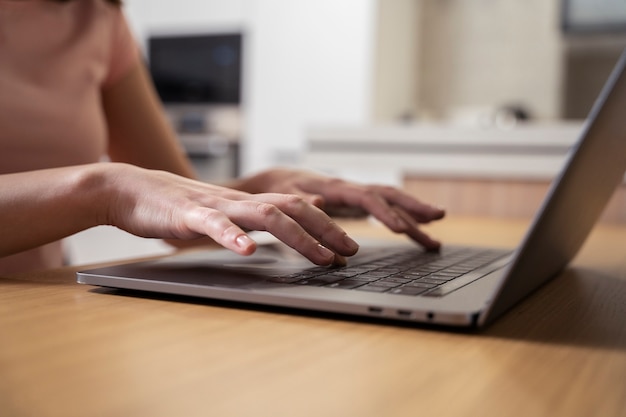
(72, 350)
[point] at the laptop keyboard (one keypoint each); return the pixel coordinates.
(408, 272)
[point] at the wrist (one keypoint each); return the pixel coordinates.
(95, 188)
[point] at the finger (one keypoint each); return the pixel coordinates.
(340, 260)
(314, 221)
(395, 218)
(422, 212)
(313, 199)
(266, 216)
(369, 197)
(415, 233)
(221, 229)
(345, 212)
(371, 201)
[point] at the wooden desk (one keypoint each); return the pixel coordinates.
(70, 350)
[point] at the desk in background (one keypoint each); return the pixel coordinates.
(70, 350)
(471, 171)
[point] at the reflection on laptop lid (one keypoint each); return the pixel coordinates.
(458, 286)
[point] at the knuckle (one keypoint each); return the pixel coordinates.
(211, 216)
(294, 203)
(329, 227)
(228, 232)
(370, 194)
(217, 224)
(336, 182)
(194, 222)
(267, 210)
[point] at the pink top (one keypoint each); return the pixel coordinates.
(55, 60)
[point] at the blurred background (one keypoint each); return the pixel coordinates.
(471, 104)
(362, 62)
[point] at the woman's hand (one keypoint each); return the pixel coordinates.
(43, 206)
(159, 204)
(396, 209)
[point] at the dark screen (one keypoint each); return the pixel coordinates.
(197, 69)
(593, 16)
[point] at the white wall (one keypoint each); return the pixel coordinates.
(147, 16)
(396, 88)
(488, 53)
(309, 64)
(306, 62)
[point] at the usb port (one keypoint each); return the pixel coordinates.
(404, 313)
(376, 310)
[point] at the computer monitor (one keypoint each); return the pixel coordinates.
(197, 69)
(593, 16)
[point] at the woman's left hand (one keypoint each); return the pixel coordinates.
(396, 209)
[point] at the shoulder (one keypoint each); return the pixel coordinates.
(124, 52)
(73, 31)
(104, 28)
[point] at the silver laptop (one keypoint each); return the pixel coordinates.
(458, 286)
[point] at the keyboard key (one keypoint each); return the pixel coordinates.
(373, 288)
(408, 290)
(419, 284)
(320, 280)
(408, 273)
(347, 284)
(399, 280)
(429, 280)
(384, 284)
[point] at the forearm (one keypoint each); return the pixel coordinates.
(39, 207)
(139, 132)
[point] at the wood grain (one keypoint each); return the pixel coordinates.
(71, 350)
(507, 198)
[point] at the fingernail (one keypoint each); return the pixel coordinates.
(434, 246)
(244, 241)
(326, 253)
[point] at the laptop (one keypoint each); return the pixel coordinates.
(457, 286)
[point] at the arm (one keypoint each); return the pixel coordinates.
(394, 208)
(42, 206)
(141, 135)
(139, 132)
(39, 207)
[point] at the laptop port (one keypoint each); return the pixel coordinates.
(376, 310)
(404, 313)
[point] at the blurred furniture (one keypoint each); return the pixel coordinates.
(198, 76)
(215, 157)
(468, 170)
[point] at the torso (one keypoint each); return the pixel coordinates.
(55, 59)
